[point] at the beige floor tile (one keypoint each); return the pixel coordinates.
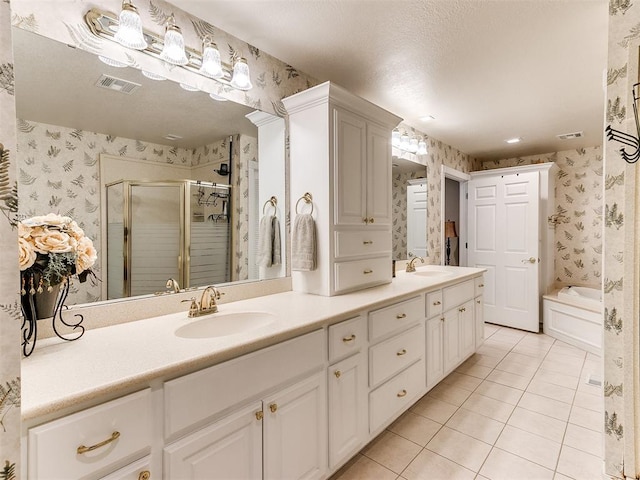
(434, 409)
(500, 392)
(476, 370)
(587, 418)
(449, 393)
(490, 329)
(475, 425)
(583, 386)
(566, 349)
(518, 368)
(530, 446)
(431, 466)
(459, 448)
(538, 352)
(501, 465)
(524, 360)
(415, 427)
(534, 339)
(487, 349)
(489, 407)
(499, 345)
(486, 360)
(511, 333)
(556, 365)
(392, 451)
(578, 464)
(557, 378)
(549, 390)
(533, 422)
(509, 379)
(589, 401)
(546, 406)
(461, 380)
(559, 476)
(583, 439)
(364, 469)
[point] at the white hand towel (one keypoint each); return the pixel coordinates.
(265, 242)
(276, 258)
(303, 243)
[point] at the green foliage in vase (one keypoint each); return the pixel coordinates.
(9, 471)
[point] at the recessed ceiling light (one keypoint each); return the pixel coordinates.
(427, 118)
(172, 136)
(514, 140)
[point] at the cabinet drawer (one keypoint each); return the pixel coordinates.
(434, 303)
(349, 244)
(396, 317)
(457, 294)
(396, 353)
(193, 399)
(53, 447)
(359, 273)
(396, 395)
(479, 286)
(133, 471)
(346, 338)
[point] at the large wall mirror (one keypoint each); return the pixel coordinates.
(409, 198)
(167, 182)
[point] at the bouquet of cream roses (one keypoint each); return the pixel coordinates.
(55, 248)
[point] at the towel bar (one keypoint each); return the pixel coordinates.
(274, 202)
(307, 199)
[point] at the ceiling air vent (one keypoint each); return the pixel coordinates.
(117, 84)
(569, 136)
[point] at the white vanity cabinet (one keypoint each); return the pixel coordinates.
(341, 153)
(479, 310)
(347, 389)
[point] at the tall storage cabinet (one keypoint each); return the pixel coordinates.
(341, 154)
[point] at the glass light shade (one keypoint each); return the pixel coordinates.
(217, 98)
(173, 49)
(111, 62)
(395, 137)
(211, 65)
(413, 145)
(422, 147)
(129, 32)
(241, 79)
(153, 76)
(404, 141)
(188, 88)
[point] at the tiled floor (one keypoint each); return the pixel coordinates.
(520, 408)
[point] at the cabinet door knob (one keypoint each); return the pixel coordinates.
(442, 318)
(462, 309)
(259, 415)
(371, 220)
(349, 339)
(273, 407)
(402, 393)
(365, 220)
(402, 352)
(82, 449)
(478, 302)
(144, 475)
(437, 302)
(367, 242)
(481, 285)
(368, 271)
(337, 373)
(401, 316)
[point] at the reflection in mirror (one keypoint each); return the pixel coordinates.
(83, 125)
(409, 197)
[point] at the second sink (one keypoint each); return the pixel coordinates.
(225, 324)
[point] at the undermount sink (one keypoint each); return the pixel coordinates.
(225, 324)
(431, 272)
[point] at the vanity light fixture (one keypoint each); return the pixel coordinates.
(405, 141)
(111, 62)
(189, 88)
(129, 33)
(153, 76)
(514, 140)
(173, 49)
(241, 79)
(422, 147)
(217, 98)
(396, 138)
(211, 65)
(411, 144)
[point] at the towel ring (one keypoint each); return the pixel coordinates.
(274, 202)
(307, 199)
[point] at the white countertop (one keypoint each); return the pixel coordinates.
(121, 358)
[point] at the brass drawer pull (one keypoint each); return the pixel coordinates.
(437, 302)
(273, 407)
(462, 309)
(402, 352)
(82, 449)
(481, 285)
(259, 415)
(368, 271)
(401, 316)
(349, 339)
(144, 475)
(337, 373)
(367, 242)
(402, 393)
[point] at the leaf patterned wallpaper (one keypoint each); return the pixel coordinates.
(578, 212)
(438, 154)
(65, 161)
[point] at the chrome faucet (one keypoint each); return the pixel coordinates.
(172, 283)
(207, 302)
(411, 265)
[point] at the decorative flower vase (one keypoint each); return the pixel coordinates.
(40, 305)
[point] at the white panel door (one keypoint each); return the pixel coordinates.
(417, 220)
(504, 239)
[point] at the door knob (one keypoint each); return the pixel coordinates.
(529, 260)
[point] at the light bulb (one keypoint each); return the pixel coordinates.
(111, 62)
(217, 98)
(189, 88)
(241, 79)
(413, 145)
(211, 66)
(153, 76)
(395, 137)
(173, 49)
(422, 147)
(404, 141)
(129, 32)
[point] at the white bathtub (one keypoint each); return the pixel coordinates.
(574, 315)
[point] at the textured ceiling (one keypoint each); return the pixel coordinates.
(486, 70)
